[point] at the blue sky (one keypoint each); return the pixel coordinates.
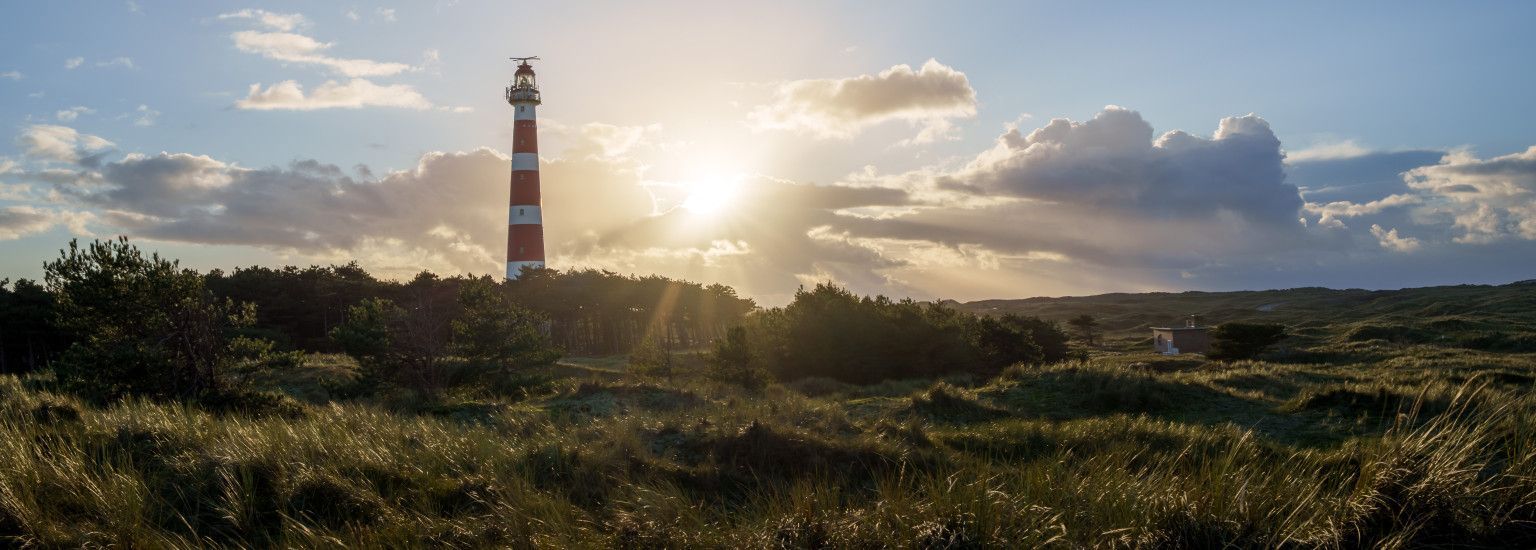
(650, 104)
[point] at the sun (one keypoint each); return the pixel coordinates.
(711, 196)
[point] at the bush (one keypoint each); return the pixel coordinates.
(492, 329)
(650, 359)
(147, 326)
(734, 362)
(829, 332)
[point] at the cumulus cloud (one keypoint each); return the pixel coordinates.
(19, 221)
(276, 21)
(1112, 164)
(1330, 214)
(353, 94)
(1390, 240)
(297, 48)
(841, 108)
(73, 62)
(60, 143)
(1489, 199)
(73, 113)
(13, 75)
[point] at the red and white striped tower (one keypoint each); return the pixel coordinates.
(525, 224)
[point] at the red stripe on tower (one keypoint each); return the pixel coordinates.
(525, 222)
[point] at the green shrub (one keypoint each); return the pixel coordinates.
(1235, 341)
(648, 358)
(146, 326)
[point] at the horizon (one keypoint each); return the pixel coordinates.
(916, 151)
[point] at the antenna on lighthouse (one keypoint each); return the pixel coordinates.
(524, 60)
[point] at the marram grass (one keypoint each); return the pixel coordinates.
(1429, 452)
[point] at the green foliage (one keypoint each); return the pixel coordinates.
(29, 333)
(734, 361)
(1087, 328)
(366, 332)
(829, 332)
(397, 345)
(1243, 340)
(145, 326)
(650, 359)
(492, 329)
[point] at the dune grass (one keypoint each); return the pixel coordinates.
(1424, 448)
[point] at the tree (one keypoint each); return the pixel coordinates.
(733, 361)
(145, 325)
(1231, 341)
(1087, 328)
(494, 330)
(30, 335)
(404, 346)
(1003, 342)
(1046, 334)
(648, 358)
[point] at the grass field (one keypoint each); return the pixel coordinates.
(1385, 445)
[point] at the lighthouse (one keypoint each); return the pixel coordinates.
(525, 223)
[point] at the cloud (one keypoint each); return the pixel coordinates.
(73, 62)
(1338, 150)
(1391, 241)
(72, 113)
(353, 94)
(387, 14)
(448, 214)
(276, 21)
(1112, 165)
(611, 140)
(145, 116)
(60, 143)
(13, 75)
(1488, 199)
(297, 48)
(1329, 214)
(19, 221)
(125, 62)
(841, 108)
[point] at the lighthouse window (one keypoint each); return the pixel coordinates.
(519, 108)
(520, 250)
(519, 211)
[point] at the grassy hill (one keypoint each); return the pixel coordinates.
(1499, 317)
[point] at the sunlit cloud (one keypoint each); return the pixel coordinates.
(297, 48)
(353, 94)
(841, 108)
(276, 21)
(59, 143)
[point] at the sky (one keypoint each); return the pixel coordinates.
(914, 149)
